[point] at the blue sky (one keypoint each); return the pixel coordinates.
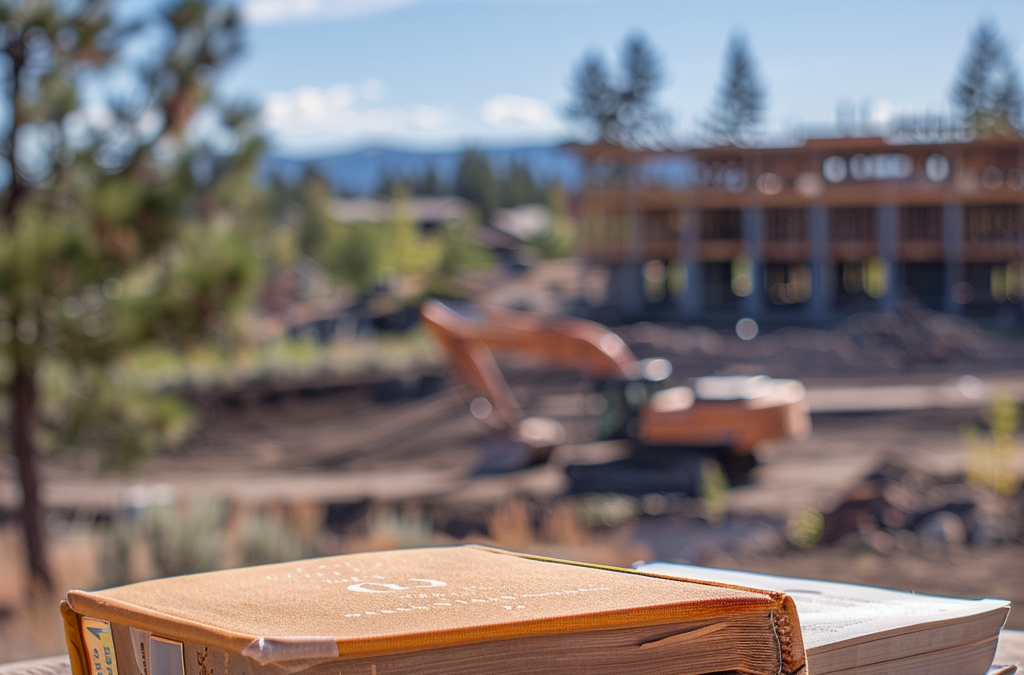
(338, 74)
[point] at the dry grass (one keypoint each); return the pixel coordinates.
(30, 624)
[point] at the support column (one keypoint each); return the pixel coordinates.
(584, 278)
(822, 273)
(888, 251)
(634, 300)
(953, 255)
(626, 289)
(753, 238)
(691, 302)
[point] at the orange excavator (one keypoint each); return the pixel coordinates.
(732, 415)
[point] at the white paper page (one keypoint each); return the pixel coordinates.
(836, 615)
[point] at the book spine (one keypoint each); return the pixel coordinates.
(137, 652)
(787, 631)
(73, 637)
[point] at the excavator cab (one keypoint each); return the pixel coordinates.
(624, 398)
(730, 415)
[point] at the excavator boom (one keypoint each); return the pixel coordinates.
(470, 341)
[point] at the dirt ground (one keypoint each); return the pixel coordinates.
(347, 447)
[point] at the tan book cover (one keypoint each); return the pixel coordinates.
(372, 605)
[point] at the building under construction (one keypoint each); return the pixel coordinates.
(807, 232)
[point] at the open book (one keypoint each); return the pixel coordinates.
(873, 631)
(460, 611)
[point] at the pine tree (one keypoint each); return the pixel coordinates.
(313, 201)
(623, 112)
(518, 186)
(120, 226)
(638, 115)
(595, 101)
(987, 93)
(739, 106)
(475, 182)
(428, 183)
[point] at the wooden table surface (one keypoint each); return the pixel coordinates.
(1010, 652)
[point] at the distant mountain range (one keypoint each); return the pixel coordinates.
(361, 171)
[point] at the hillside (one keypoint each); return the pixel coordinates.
(360, 171)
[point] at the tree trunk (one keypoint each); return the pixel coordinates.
(23, 386)
(23, 398)
(16, 191)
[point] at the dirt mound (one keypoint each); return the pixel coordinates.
(866, 344)
(917, 335)
(899, 506)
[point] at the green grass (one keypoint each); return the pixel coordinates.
(283, 360)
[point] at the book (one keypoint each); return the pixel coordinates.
(456, 610)
(850, 629)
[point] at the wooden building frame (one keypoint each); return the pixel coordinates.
(815, 230)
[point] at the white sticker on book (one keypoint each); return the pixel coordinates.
(165, 657)
(99, 643)
(140, 647)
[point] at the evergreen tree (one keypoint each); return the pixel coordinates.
(313, 201)
(475, 182)
(620, 110)
(987, 92)
(391, 182)
(739, 106)
(428, 184)
(518, 187)
(120, 224)
(355, 254)
(595, 101)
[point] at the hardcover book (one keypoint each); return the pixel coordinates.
(460, 611)
(876, 631)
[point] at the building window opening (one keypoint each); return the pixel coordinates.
(721, 224)
(854, 224)
(618, 229)
(921, 223)
(606, 174)
(788, 284)
(786, 225)
(1007, 282)
(742, 282)
(675, 279)
(870, 277)
(936, 168)
(661, 226)
(924, 281)
(875, 277)
(717, 284)
(993, 224)
(853, 278)
(654, 281)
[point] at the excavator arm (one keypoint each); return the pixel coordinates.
(470, 340)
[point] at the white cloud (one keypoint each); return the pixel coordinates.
(280, 11)
(428, 118)
(372, 89)
(342, 110)
(881, 111)
(508, 110)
